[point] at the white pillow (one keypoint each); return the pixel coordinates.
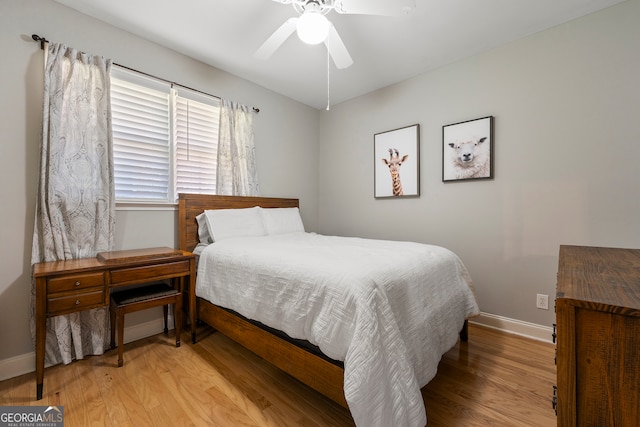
(203, 229)
(282, 220)
(228, 223)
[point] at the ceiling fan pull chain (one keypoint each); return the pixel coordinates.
(328, 71)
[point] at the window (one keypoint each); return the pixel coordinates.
(196, 140)
(165, 139)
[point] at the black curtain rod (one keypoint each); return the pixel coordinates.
(42, 41)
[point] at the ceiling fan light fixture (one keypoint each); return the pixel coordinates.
(312, 27)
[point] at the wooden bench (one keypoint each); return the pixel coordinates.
(141, 298)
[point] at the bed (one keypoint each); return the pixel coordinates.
(347, 363)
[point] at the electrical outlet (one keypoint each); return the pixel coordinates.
(542, 301)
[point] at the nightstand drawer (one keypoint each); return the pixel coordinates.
(142, 274)
(75, 302)
(75, 281)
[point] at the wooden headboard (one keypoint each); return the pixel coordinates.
(192, 205)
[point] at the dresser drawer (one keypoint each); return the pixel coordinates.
(75, 302)
(75, 281)
(142, 274)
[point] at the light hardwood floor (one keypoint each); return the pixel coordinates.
(495, 379)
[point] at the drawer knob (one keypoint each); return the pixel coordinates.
(77, 302)
(77, 283)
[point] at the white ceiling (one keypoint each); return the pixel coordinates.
(385, 50)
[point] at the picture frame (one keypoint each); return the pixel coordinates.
(396, 163)
(468, 150)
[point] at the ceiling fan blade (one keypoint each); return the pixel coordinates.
(276, 39)
(375, 7)
(337, 49)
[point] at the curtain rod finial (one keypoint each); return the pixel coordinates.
(42, 40)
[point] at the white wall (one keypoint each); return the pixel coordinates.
(284, 129)
(567, 147)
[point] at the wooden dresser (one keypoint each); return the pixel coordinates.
(598, 331)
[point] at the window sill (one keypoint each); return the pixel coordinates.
(141, 206)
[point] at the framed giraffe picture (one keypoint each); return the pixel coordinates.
(396, 163)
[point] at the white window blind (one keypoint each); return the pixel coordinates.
(196, 139)
(165, 140)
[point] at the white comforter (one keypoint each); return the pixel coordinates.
(389, 310)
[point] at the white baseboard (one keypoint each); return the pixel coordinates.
(26, 363)
(23, 364)
(513, 326)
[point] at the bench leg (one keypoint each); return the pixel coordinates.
(177, 318)
(120, 337)
(112, 315)
(165, 312)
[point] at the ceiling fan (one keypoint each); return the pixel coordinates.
(313, 27)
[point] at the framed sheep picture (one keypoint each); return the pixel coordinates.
(467, 150)
(397, 163)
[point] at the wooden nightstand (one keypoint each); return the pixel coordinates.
(64, 287)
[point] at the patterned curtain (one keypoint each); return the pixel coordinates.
(237, 173)
(75, 209)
